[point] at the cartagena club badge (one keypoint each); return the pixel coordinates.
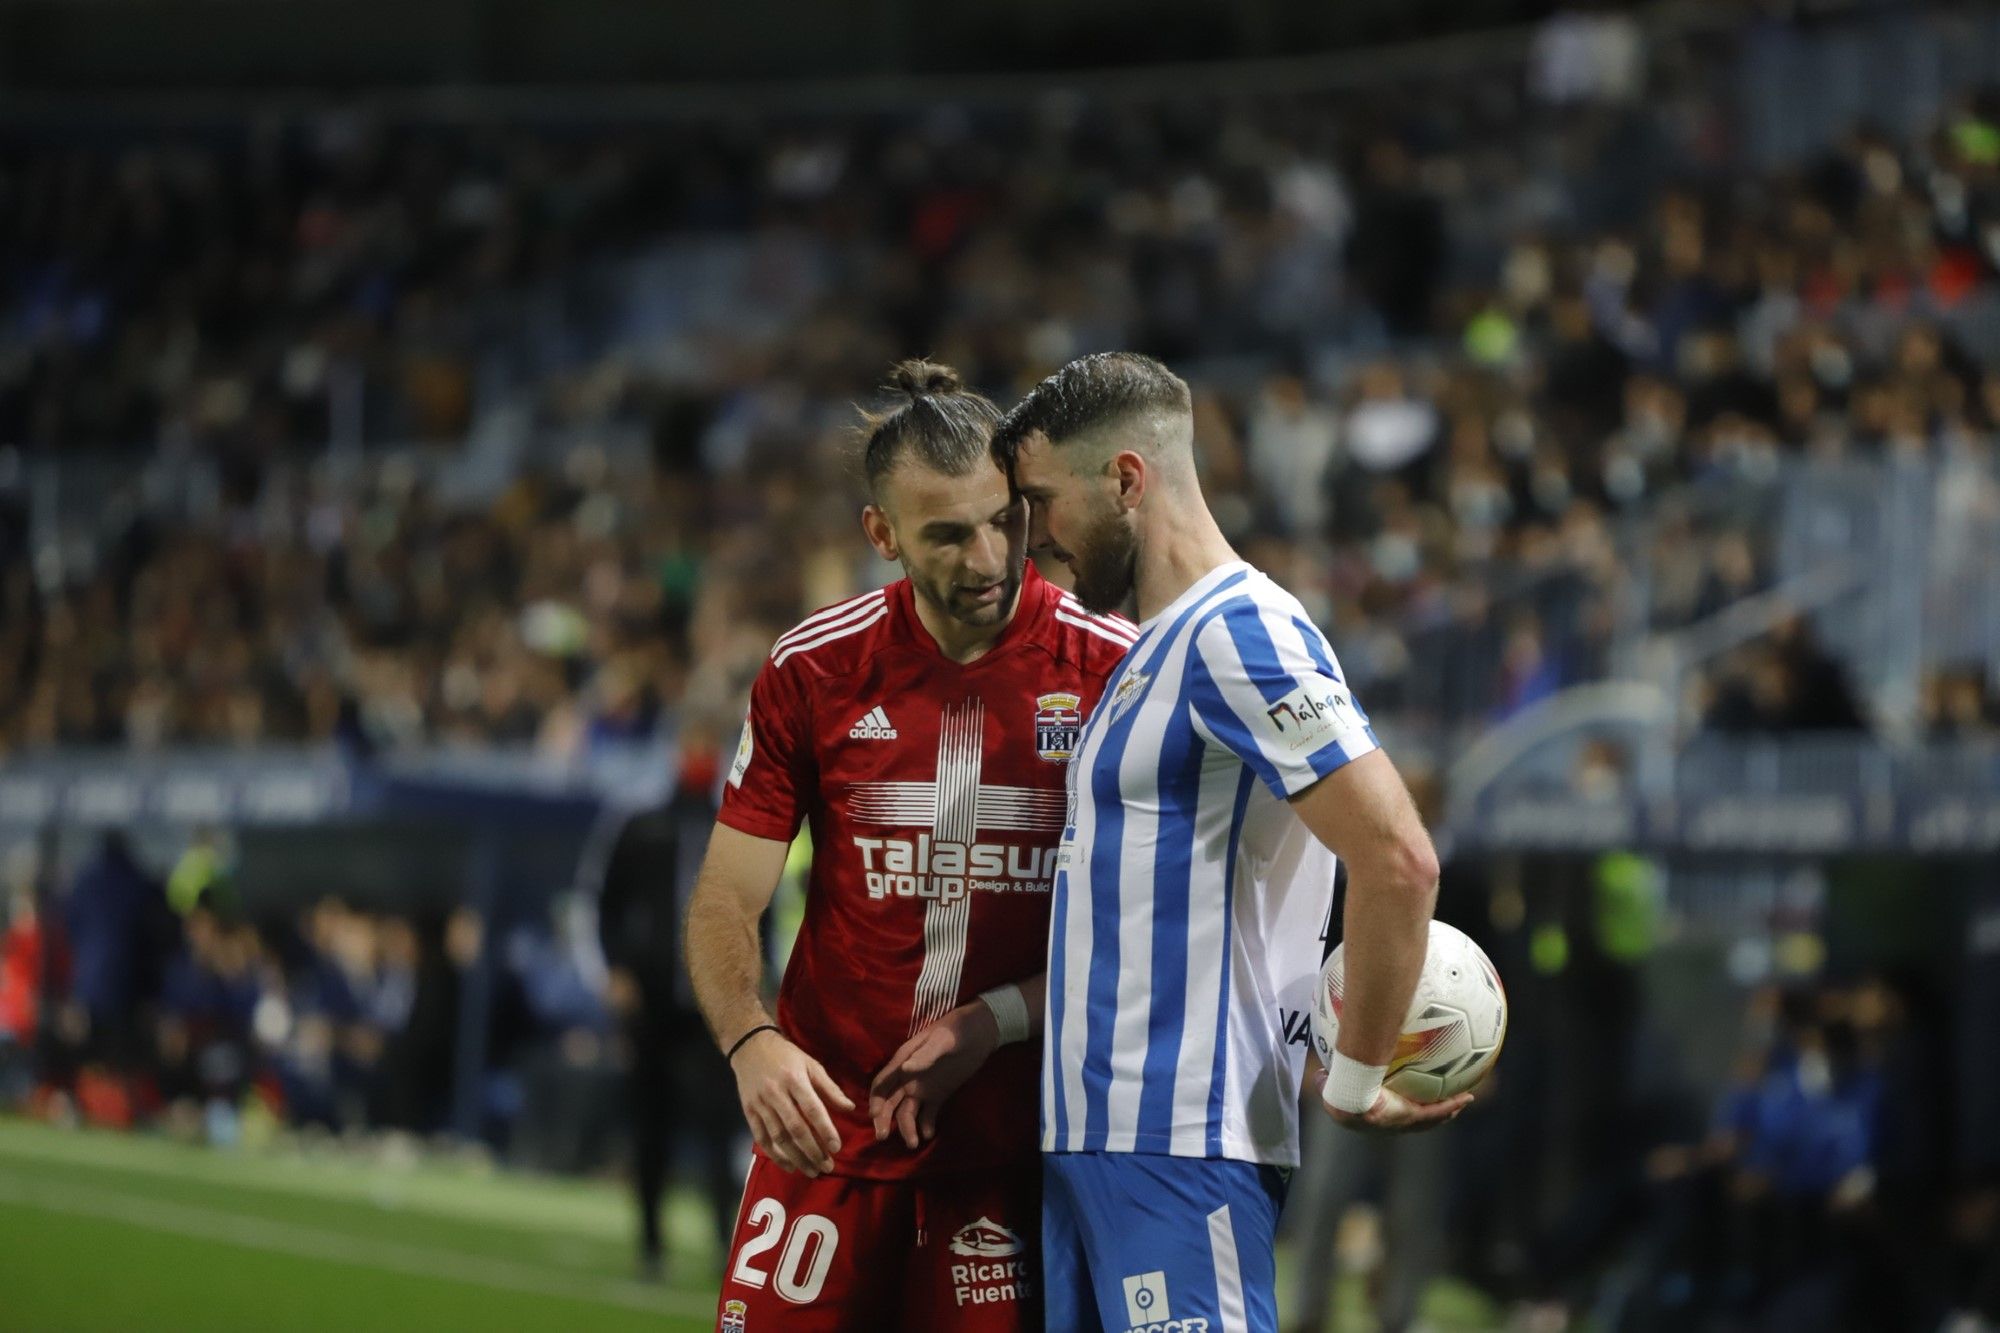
(1058, 722)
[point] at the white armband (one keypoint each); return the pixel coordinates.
(1010, 1012)
(1352, 1086)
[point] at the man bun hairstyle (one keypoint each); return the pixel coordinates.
(939, 422)
(924, 378)
(1087, 394)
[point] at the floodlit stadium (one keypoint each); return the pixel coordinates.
(581, 612)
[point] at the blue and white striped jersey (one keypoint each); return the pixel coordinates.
(1190, 901)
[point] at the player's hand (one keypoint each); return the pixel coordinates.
(925, 1070)
(1392, 1112)
(785, 1094)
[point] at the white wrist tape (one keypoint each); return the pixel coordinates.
(1010, 1012)
(1352, 1086)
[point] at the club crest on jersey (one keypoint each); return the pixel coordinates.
(1129, 689)
(1058, 722)
(734, 1316)
(985, 1239)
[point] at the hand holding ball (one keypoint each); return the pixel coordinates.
(1455, 1027)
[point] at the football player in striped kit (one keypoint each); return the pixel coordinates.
(922, 732)
(1227, 765)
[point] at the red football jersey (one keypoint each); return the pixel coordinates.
(935, 795)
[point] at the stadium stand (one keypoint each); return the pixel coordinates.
(381, 489)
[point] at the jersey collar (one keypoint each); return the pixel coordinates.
(1197, 590)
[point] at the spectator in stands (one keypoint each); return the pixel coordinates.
(1389, 429)
(564, 1061)
(1291, 442)
(325, 1081)
(1975, 1254)
(201, 875)
(1786, 683)
(1587, 53)
(362, 984)
(1612, 351)
(208, 1055)
(512, 1034)
(1528, 672)
(1749, 693)
(1731, 576)
(1959, 704)
(1900, 1270)
(1822, 696)
(1395, 254)
(413, 1084)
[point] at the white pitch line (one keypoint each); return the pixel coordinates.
(287, 1238)
(484, 1202)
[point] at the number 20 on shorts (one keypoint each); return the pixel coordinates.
(809, 1243)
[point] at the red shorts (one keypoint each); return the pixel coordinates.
(843, 1255)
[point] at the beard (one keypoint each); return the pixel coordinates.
(1106, 564)
(956, 603)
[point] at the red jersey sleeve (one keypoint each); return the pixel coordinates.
(775, 776)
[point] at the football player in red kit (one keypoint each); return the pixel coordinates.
(921, 731)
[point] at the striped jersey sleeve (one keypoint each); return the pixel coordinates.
(1264, 683)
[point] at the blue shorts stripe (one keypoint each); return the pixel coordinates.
(1132, 1240)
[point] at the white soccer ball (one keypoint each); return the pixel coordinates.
(1456, 1024)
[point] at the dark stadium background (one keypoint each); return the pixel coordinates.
(416, 420)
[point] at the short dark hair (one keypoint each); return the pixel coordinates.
(945, 425)
(1090, 392)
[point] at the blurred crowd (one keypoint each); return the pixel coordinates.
(1825, 1174)
(386, 434)
(129, 1000)
(1821, 1194)
(1493, 370)
(1833, 1182)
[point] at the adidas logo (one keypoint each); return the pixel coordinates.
(873, 727)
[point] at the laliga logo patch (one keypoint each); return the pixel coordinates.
(734, 1316)
(745, 749)
(1146, 1298)
(985, 1239)
(1058, 722)
(1146, 1306)
(1128, 691)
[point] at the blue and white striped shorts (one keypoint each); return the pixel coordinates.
(1142, 1243)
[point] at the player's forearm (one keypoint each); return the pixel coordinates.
(1364, 814)
(1017, 1007)
(725, 963)
(1387, 932)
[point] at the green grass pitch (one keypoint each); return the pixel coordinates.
(109, 1233)
(121, 1233)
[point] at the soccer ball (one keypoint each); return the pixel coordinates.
(1457, 1019)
